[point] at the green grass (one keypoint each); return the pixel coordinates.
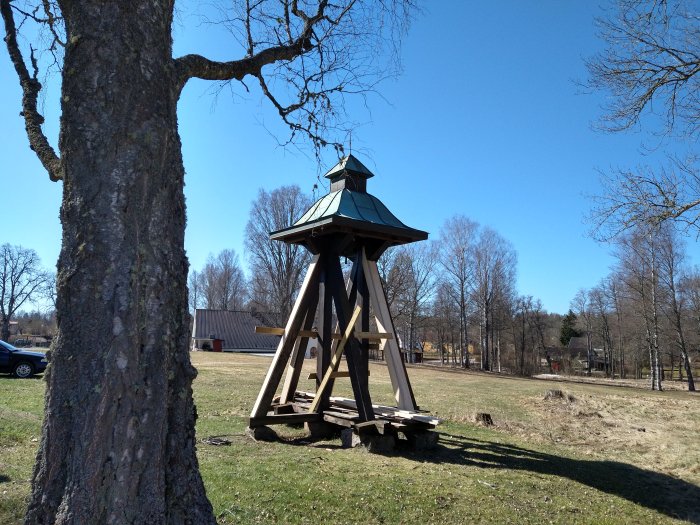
(613, 455)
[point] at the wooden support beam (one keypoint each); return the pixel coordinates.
(372, 336)
(357, 365)
(274, 330)
(335, 360)
(283, 419)
(325, 319)
(296, 361)
(335, 375)
(340, 421)
(397, 370)
(307, 294)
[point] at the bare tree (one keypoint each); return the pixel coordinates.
(632, 197)
(392, 266)
(223, 282)
(527, 329)
(651, 62)
(21, 280)
(277, 268)
(671, 254)
(494, 265)
(195, 287)
(418, 261)
(445, 323)
(601, 307)
(581, 303)
(650, 68)
(638, 263)
(122, 272)
(457, 238)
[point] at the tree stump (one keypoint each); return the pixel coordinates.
(484, 419)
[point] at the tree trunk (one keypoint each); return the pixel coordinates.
(5, 328)
(118, 442)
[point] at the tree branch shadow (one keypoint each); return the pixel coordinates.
(671, 496)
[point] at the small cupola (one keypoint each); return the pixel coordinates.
(349, 174)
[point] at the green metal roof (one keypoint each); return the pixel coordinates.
(349, 211)
(350, 164)
(352, 205)
(359, 212)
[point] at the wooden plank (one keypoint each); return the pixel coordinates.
(408, 415)
(269, 330)
(397, 371)
(279, 361)
(325, 320)
(273, 330)
(357, 365)
(335, 375)
(350, 416)
(342, 422)
(372, 336)
(335, 360)
(371, 427)
(296, 361)
(283, 419)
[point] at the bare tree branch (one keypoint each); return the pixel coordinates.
(645, 196)
(306, 56)
(651, 63)
(30, 92)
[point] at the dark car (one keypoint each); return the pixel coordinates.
(21, 363)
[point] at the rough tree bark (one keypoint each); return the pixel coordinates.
(118, 443)
(121, 358)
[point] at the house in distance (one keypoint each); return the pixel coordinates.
(231, 331)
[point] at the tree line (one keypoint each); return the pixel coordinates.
(645, 315)
(456, 294)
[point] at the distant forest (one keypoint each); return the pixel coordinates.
(455, 302)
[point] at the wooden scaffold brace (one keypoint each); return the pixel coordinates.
(350, 223)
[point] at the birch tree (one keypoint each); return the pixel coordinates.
(637, 253)
(494, 264)
(670, 258)
(457, 239)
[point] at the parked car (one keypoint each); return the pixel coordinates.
(21, 363)
(22, 342)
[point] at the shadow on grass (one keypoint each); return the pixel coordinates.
(668, 495)
(4, 479)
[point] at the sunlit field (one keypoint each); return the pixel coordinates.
(599, 454)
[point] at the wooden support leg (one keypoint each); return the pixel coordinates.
(335, 361)
(397, 370)
(274, 374)
(296, 361)
(325, 339)
(358, 378)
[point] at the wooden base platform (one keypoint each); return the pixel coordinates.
(343, 413)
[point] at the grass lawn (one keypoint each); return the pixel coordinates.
(609, 455)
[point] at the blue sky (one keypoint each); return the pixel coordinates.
(486, 120)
